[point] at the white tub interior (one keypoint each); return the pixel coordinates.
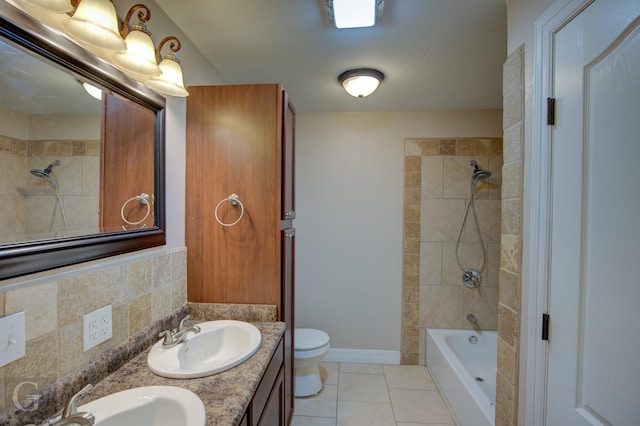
(463, 363)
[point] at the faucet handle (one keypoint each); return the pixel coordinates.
(71, 408)
(183, 322)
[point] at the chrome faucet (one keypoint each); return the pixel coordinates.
(472, 319)
(70, 414)
(175, 337)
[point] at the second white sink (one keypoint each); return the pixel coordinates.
(219, 346)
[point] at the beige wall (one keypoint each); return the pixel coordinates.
(349, 210)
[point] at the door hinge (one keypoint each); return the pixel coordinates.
(551, 111)
(545, 326)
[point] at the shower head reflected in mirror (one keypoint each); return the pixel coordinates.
(46, 173)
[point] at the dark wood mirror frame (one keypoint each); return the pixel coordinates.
(22, 258)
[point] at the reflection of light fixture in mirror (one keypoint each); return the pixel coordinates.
(354, 13)
(140, 58)
(92, 90)
(361, 82)
(170, 82)
(95, 22)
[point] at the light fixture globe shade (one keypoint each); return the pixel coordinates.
(95, 23)
(170, 82)
(362, 82)
(139, 60)
(52, 6)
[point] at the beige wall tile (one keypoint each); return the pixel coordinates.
(483, 303)
(509, 290)
(431, 147)
(139, 313)
(513, 144)
(178, 264)
(79, 295)
(508, 325)
(412, 147)
(38, 304)
(138, 275)
(511, 216)
(441, 306)
(432, 177)
(510, 253)
(458, 175)
(513, 108)
(507, 360)
(505, 393)
(512, 181)
(161, 302)
(436, 219)
(430, 263)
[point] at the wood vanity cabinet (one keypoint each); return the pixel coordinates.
(241, 140)
(267, 407)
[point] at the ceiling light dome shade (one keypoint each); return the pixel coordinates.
(139, 60)
(95, 23)
(170, 82)
(361, 82)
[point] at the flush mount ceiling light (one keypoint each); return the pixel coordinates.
(354, 13)
(92, 90)
(361, 82)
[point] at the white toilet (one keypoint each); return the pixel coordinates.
(310, 347)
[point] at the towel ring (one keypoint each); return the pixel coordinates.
(234, 200)
(142, 199)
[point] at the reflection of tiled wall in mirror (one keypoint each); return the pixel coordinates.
(28, 204)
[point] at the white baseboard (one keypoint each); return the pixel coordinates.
(365, 356)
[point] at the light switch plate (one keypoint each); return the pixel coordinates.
(12, 338)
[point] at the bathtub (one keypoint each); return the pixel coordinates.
(465, 372)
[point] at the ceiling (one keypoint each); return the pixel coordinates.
(436, 54)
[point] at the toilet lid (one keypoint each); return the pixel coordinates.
(308, 338)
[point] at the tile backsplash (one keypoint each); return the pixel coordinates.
(141, 289)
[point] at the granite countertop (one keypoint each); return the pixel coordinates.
(225, 395)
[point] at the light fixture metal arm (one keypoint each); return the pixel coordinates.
(174, 46)
(144, 14)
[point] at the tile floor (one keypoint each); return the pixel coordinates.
(373, 395)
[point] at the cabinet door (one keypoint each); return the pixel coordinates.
(288, 158)
(273, 414)
(288, 251)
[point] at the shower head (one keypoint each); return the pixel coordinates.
(478, 173)
(46, 173)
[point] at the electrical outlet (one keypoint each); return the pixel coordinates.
(96, 327)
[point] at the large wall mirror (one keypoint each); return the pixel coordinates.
(81, 178)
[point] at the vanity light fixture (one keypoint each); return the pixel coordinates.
(95, 23)
(361, 82)
(139, 60)
(171, 81)
(354, 13)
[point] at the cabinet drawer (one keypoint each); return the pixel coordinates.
(261, 395)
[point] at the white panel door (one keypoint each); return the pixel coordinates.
(594, 291)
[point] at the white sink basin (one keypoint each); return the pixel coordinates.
(150, 405)
(219, 346)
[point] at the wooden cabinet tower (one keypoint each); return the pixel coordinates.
(240, 142)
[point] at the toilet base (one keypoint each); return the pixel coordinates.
(307, 382)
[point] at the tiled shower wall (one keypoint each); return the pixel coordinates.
(437, 187)
(509, 308)
(140, 289)
(28, 204)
